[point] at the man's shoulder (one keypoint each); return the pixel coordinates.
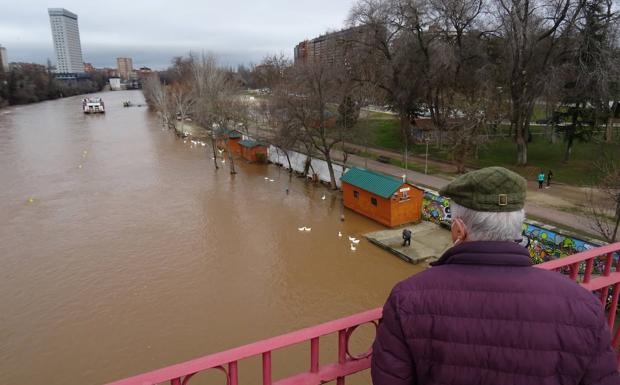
(503, 279)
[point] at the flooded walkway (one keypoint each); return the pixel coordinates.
(123, 250)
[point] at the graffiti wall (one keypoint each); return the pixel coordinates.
(435, 208)
(543, 244)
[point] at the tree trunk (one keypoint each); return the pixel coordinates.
(404, 123)
(330, 167)
(214, 153)
(307, 165)
(288, 159)
(608, 130)
(231, 160)
(521, 151)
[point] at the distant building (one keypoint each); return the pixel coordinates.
(144, 72)
(125, 67)
(115, 84)
(66, 36)
(4, 60)
(89, 69)
(332, 48)
(110, 72)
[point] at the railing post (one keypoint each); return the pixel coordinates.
(574, 269)
(175, 381)
(233, 374)
(614, 306)
(314, 355)
(342, 352)
(588, 273)
(267, 368)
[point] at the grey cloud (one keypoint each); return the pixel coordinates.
(153, 32)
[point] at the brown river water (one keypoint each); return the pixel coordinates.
(122, 249)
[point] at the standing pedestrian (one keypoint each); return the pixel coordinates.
(406, 237)
(541, 179)
(549, 175)
(482, 314)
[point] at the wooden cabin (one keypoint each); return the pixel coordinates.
(385, 199)
(253, 151)
(234, 137)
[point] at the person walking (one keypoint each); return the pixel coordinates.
(482, 314)
(541, 179)
(406, 237)
(549, 175)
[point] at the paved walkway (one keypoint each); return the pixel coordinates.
(533, 208)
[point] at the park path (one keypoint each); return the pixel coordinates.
(559, 205)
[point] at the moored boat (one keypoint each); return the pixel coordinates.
(93, 106)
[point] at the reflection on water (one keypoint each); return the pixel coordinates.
(123, 250)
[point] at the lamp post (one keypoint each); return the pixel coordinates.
(426, 157)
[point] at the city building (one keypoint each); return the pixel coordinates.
(4, 60)
(89, 69)
(66, 36)
(332, 48)
(144, 72)
(125, 67)
(386, 199)
(115, 84)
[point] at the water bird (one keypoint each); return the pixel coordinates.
(220, 150)
(203, 144)
(266, 178)
(301, 228)
(339, 234)
(353, 248)
(323, 197)
(351, 239)
(356, 241)
(272, 180)
(80, 166)
(223, 160)
(307, 228)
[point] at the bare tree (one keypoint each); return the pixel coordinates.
(533, 33)
(157, 98)
(604, 201)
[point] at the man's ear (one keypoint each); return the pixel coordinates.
(459, 231)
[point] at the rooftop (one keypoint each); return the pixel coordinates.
(249, 143)
(379, 184)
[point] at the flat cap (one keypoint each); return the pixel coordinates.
(489, 189)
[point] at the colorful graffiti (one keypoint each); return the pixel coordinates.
(435, 208)
(543, 244)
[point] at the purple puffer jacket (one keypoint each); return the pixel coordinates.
(482, 315)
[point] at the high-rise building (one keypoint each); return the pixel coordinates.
(4, 60)
(66, 35)
(332, 48)
(125, 67)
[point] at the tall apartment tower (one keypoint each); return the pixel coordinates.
(66, 35)
(125, 67)
(4, 60)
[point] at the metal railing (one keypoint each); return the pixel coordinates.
(593, 269)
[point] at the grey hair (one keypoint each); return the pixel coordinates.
(489, 226)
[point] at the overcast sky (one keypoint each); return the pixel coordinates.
(152, 32)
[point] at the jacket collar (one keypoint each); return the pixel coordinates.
(496, 253)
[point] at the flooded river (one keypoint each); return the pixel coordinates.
(122, 249)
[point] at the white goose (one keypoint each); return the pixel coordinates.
(353, 248)
(339, 234)
(307, 228)
(356, 241)
(323, 197)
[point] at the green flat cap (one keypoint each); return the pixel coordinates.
(489, 189)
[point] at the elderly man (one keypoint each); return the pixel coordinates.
(482, 314)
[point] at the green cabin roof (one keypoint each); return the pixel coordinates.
(249, 143)
(234, 135)
(379, 184)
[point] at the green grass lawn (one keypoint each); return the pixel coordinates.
(579, 170)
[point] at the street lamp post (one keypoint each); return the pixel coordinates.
(426, 157)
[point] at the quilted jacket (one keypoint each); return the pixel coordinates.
(483, 315)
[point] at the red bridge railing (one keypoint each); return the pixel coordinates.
(594, 270)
